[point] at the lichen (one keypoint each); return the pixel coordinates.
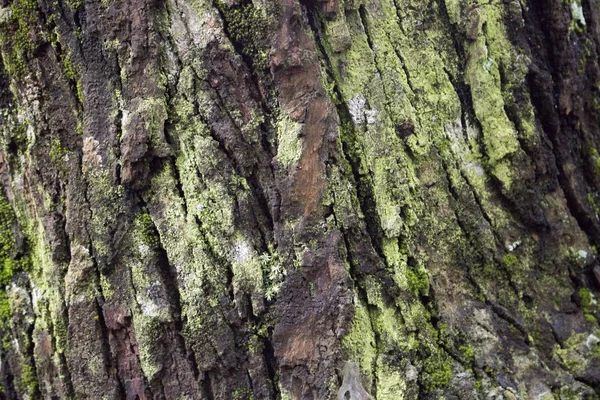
(438, 372)
(12, 259)
(578, 352)
(577, 13)
(352, 387)
(273, 274)
(17, 35)
(247, 273)
(246, 25)
(152, 307)
(500, 136)
(360, 341)
(289, 142)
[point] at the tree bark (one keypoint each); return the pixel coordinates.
(281, 199)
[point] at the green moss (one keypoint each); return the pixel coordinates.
(593, 204)
(289, 142)
(27, 381)
(145, 231)
(593, 157)
(152, 308)
(510, 260)
(248, 273)
(360, 342)
(243, 393)
(68, 67)
(247, 26)
(578, 353)
(418, 281)
(74, 5)
(391, 383)
(438, 372)
(18, 134)
(467, 352)
(10, 261)
(57, 156)
(587, 297)
(5, 316)
(491, 55)
(17, 36)
(80, 98)
(590, 318)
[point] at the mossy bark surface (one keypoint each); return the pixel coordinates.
(299, 199)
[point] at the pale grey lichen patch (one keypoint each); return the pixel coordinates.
(91, 158)
(371, 116)
(200, 19)
(475, 168)
(359, 111)
(487, 65)
(577, 13)
(352, 387)
(592, 341)
(356, 106)
(412, 374)
(459, 144)
(247, 275)
(5, 14)
(512, 246)
(79, 282)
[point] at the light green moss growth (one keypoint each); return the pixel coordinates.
(587, 297)
(151, 308)
(454, 10)
(106, 287)
(5, 316)
(27, 381)
(17, 36)
(10, 261)
(147, 331)
(338, 34)
(243, 393)
(590, 318)
(418, 280)
(74, 5)
(438, 372)
(593, 204)
(68, 67)
(289, 143)
(483, 76)
(467, 352)
(510, 260)
(360, 342)
(391, 383)
(578, 351)
(145, 232)
(247, 27)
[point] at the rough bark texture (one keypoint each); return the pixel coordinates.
(300, 199)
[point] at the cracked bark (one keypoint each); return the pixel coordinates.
(299, 199)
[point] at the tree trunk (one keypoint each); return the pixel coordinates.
(281, 199)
